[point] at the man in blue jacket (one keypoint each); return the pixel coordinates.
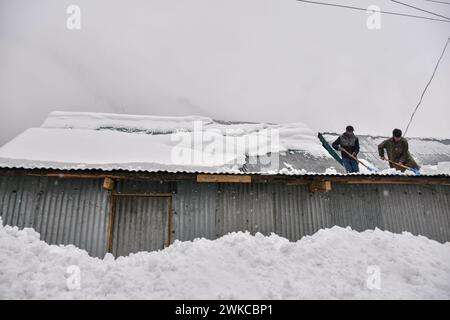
(350, 143)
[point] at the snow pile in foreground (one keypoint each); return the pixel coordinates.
(333, 263)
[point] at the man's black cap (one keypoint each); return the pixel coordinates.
(349, 128)
(397, 133)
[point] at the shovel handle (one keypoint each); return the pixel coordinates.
(400, 165)
(352, 156)
(416, 172)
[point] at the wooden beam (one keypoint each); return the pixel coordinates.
(111, 217)
(169, 221)
(238, 178)
(382, 182)
(320, 186)
(297, 182)
(145, 194)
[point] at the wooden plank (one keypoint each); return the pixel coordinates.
(398, 182)
(150, 176)
(108, 183)
(224, 178)
(66, 175)
(145, 194)
(295, 182)
(169, 221)
(320, 186)
(111, 217)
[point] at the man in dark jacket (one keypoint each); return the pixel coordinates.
(350, 143)
(397, 151)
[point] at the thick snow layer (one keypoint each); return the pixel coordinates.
(90, 147)
(83, 140)
(441, 167)
(334, 263)
(112, 141)
(94, 121)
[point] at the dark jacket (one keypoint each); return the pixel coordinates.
(352, 147)
(397, 152)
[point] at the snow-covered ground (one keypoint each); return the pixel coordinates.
(334, 263)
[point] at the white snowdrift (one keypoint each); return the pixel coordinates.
(331, 264)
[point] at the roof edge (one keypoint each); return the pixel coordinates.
(255, 177)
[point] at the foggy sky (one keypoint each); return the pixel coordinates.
(246, 60)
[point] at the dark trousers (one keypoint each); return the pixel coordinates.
(350, 165)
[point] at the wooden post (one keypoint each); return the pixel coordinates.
(237, 178)
(111, 217)
(169, 221)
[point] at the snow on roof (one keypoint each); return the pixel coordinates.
(80, 140)
(83, 140)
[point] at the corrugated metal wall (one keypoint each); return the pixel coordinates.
(299, 212)
(76, 211)
(423, 210)
(194, 211)
(63, 211)
(211, 210)
(140, 224)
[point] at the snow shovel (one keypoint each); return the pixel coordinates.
(416, 172)
(353, 157)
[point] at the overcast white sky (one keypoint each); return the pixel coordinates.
(248, 60)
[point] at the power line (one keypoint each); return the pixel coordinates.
(442, 2)
(408, 5)
(363, 9)
(426, 87)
